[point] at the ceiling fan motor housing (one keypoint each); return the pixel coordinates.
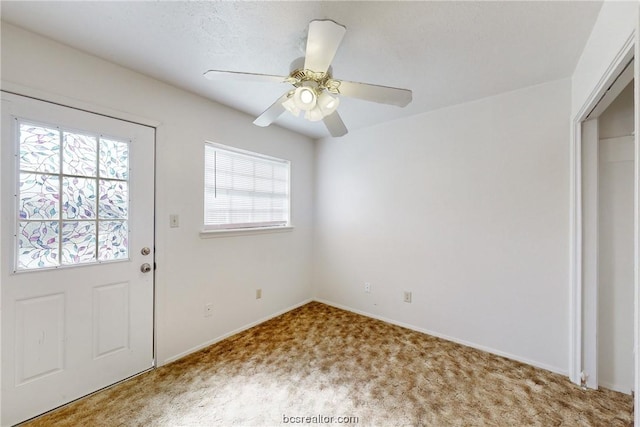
(319, 81)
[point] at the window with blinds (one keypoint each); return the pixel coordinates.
(243, 189)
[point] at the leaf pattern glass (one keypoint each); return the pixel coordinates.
(114, 199)
(114, 159)
(38, 244)
(113, 240)
(39, 196)
(80, 155)
(39, 148)
(78, 242)
(73, 200)
(79, 198)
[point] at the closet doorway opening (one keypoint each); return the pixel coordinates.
(604, 238)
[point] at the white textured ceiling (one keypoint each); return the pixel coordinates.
(446, 52)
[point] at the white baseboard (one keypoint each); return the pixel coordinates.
(448, 338)
(234, 332)
(615, 387)
(384, 319)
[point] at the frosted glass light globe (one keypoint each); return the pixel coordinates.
(304, 98)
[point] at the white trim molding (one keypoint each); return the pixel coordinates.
(446, 337)
(234, 332)
(575, 256)
(636, 224)
(250, 231)
(54, 98)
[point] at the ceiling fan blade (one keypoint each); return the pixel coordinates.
(243, 77)
(272, 113)
(322, 43)
(375, 93)
(335, 125)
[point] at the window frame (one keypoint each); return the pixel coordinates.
(214, 230)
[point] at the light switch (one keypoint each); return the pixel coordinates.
(174, 221)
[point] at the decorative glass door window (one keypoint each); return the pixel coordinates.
(72, 198)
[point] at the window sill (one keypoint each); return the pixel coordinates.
(209, 234)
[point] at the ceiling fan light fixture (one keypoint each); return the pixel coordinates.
(314, 115)
(315, 91)
(290, 106)
(305, 98)
(327, 103)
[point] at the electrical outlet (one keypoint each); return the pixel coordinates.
(258, 293)
(407, 296)
(367, 287)
(208, 310)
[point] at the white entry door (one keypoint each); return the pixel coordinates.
(77, 227)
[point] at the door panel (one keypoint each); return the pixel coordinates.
(77, 311)
(110, 320)
(39, 335)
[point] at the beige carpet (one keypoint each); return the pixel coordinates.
(319, 361)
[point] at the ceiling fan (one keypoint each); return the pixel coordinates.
(315, 92)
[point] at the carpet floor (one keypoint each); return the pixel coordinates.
(319, 365)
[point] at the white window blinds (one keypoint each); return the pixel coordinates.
(244, 189)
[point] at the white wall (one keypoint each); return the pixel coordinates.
(615, 242)
(466, 207)
(191, 270)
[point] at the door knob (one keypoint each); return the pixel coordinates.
(145, 268)
(145, 251)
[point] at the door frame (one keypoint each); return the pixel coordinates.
(90, 107)
(583, 323)
(636, 235)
